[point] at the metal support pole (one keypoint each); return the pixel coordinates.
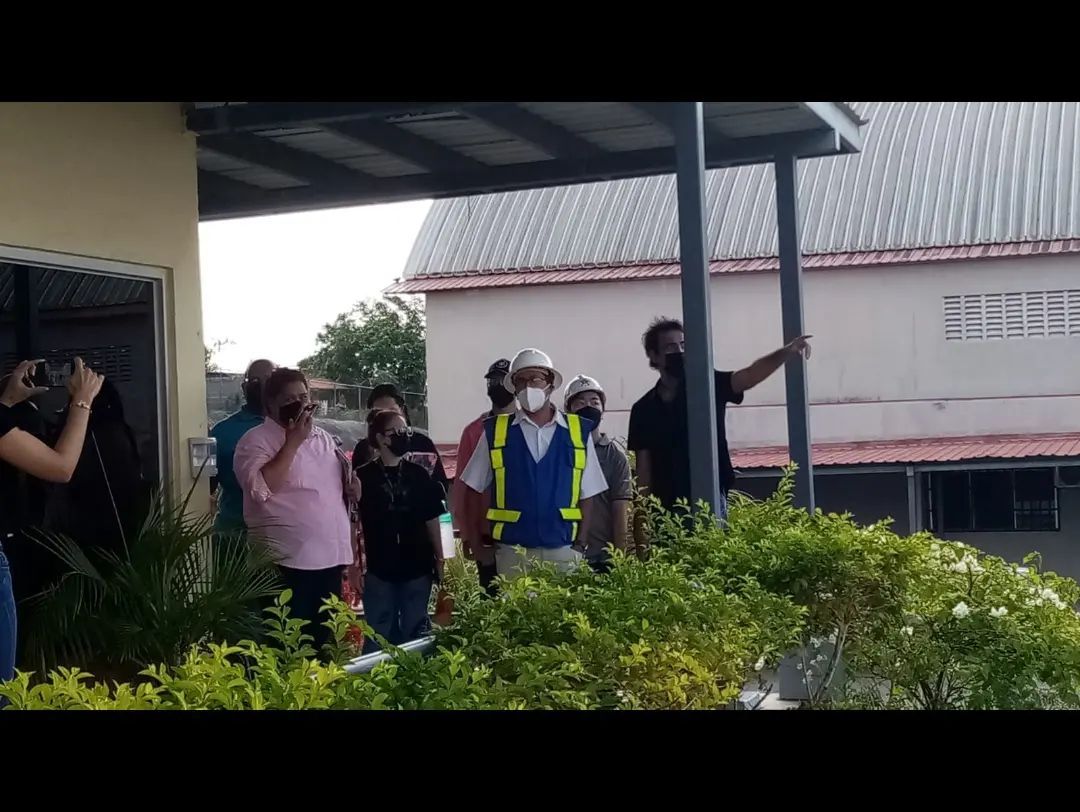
(27, 326)
(687, 122)
(791, 306)
(912, 501)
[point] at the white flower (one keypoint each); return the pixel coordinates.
(908, 630)
(1051, 596)
(760, 663)
(961, 610)
(620, 694)
(1022, 570)
(798, 666)
(530, 594)
(1001, 611)
(815, 641)
(966, 564)
(819, 659)
(832, 638)
(826, 596)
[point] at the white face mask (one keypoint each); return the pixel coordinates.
(532, 400)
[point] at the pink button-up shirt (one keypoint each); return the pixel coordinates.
(306, 520)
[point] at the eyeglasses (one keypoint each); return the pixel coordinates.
(535, 381)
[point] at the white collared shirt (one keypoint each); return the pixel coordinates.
(477, 474)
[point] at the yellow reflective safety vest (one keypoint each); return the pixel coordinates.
(536, 504)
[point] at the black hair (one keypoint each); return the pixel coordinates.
(388, 390)
(651, 337)
(279, 379)
(377, 421)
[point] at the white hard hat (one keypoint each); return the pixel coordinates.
(583, 383)
(531, 357)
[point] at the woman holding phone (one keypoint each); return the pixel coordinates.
(28, 454)
(296, 494)
(400, 505)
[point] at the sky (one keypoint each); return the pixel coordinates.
(269, 284)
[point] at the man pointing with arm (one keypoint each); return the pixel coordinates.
(659, 434)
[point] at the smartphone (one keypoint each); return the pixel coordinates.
(54, 375)
(293, 412)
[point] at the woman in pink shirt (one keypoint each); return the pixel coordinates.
(297, 487)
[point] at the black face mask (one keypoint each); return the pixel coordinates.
(398, 444)
(291, 411)
(590, 413)
(499, 396)
(674, 364)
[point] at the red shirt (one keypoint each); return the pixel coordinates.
(468, 507)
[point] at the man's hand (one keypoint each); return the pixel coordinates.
(800, 346)
(299, 429)
(352, 489)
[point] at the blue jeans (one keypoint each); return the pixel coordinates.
(8, 627)
(397, 610)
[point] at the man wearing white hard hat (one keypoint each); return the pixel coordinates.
(585, 398)
(541, 468)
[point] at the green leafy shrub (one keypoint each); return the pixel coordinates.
(917, 623)
(175, 584)
(977, 633)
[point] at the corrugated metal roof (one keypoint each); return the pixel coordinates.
(64, 290)
(922, 451)
(609, 273)
(898, 452)
(931, 174)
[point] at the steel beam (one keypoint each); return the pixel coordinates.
(603, 166)
(402, 143)
(791, 308)
(688, 125)
(524, 125)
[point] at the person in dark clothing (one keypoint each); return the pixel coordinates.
(227, 432)
(108, 498)
(22, 506)
(422, 451)
(659, 433)
(29, 454)
(400, 505)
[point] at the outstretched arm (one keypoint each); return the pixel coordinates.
(763, 367)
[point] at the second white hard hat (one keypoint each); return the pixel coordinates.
(583, 383)
(531, 357)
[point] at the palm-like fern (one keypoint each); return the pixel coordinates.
(175, 584)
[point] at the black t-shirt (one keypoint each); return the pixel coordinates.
(422, 451)
(395, 505)
(661, 429)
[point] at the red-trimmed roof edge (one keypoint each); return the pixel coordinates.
(929, 450)
(570, 274)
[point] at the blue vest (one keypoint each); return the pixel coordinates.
(535, 504)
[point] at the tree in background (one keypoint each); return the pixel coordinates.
(379, 340)
(210, 354)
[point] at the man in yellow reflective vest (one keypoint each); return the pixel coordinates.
(541, 469)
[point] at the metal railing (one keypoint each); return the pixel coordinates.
(363, 664)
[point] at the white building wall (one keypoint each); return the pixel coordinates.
(881, 368)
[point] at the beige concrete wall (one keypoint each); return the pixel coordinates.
(115, 181)
(881, 368)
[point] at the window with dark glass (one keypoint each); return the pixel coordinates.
(993, 500)
(109, 321)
